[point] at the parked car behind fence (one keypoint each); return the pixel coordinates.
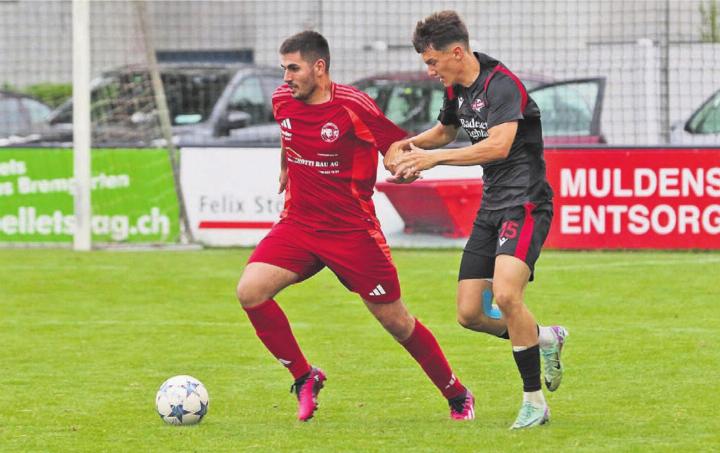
(703, 126)
(570, 109)
(207, 104)
(20, 117)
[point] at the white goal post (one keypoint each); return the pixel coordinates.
(82, 239)
(86, 125)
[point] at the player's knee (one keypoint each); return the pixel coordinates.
(475, 322)
(400, 327)
(248, 294)
(467, 318)
(507, 299)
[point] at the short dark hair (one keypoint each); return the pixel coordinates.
(311, 45)
(440, 30)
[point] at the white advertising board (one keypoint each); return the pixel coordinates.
(232, 199)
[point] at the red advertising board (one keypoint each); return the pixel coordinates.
(661, 198)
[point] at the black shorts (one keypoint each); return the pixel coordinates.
(519, 231)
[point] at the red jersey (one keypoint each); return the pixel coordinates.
(331, 151)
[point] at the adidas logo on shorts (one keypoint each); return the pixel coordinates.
(378, 291)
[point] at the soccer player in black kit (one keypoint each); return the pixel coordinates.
(491, 104)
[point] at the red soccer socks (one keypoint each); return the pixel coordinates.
(273, 329)
(425, 349)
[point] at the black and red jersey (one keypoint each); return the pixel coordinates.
(498, 96)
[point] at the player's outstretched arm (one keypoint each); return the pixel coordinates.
(495, 147)
(435, 137)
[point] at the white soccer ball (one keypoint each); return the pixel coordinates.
(182, 400)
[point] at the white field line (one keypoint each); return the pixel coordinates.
(631, 263)
(690, 259)
(127, 322)
(619, 264)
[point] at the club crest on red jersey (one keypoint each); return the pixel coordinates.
(477, 104)
(329, 132)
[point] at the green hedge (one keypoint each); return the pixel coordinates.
(53, 94)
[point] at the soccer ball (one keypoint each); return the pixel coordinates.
(182, 400)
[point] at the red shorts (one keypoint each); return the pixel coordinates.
(360, 259)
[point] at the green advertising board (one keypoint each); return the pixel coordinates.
(133, 196)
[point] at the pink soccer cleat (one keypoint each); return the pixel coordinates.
(463, 407)
(307, 390)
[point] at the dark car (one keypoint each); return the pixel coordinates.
(207, 105)
(570, 109)
(21, 117)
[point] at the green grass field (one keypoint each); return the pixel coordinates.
(87, 338)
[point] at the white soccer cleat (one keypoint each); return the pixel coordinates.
(531, 415)
(552, 366)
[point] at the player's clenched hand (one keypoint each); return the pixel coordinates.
(283, 179)
(399, 149)
(413, 162)
(396, 149)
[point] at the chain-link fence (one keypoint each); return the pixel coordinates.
(646, 65)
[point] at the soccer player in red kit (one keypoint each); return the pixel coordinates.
(331, 135)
